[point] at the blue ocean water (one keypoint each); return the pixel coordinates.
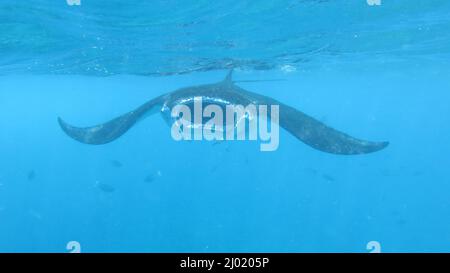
(378, 72)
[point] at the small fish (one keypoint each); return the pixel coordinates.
(105, 187)
(116, 163)
(246, 160)
(214, 168)
(31, 175)
(151, 177)
(328, 177)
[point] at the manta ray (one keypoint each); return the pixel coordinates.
(305, 128)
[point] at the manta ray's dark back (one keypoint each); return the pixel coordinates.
(305, 128)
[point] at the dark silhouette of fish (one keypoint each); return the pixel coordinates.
(31, 175)
(328, 177)
(152, 177)
(149, 178)
(305, 128)
(105, 187)
(116, 163)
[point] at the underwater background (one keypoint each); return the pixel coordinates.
(378, 72)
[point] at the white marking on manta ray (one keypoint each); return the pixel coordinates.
(235, 116)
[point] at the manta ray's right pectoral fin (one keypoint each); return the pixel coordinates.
(113, 129)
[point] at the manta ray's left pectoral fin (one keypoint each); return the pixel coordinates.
(99, 134)
(315, 133)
